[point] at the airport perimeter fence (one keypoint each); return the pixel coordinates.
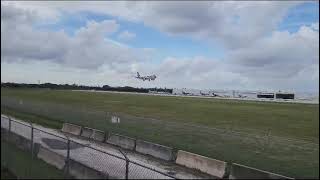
(24, 144)
(259, 149)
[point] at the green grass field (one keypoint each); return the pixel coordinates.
(7, 174)
(16, 163)
(259, 119)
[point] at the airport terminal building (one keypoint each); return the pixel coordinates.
(278, 95)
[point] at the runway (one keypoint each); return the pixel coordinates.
(303, 101)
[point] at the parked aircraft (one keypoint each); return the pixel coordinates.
(242, 96)
(186, 93)
(213, 94)
(204, 94)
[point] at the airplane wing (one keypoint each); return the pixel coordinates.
(149, 78)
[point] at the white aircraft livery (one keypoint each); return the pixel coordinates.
(149, 78)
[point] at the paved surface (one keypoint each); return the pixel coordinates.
(113, 166)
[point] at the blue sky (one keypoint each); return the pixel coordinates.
(176, 46)
(237, 47)
(304, 14)
(146, 37)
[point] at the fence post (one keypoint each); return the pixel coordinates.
(67, 163)
(231, 126)
(266, 144)
(31, 141)
(8, 138)
(31, 149)
(268, 137)
(127, 163)
(9, 124)
(127, 168)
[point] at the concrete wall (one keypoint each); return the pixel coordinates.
(244, 172)
(207, 165)
(51, 158)
(98, 135)
(80, 171)
(122, 141)
(94, 134)
(86, 132)
(20, 141)
(76, 169)
(156, 150)
(71, 128)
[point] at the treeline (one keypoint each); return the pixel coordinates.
(83, 87)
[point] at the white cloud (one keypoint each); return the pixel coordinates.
(96, 31)
(257, 56)
(315, 26)
(126, 36)
(281, 55)
(229, 22)
(191, 72)
(281, 61)
(52, 9)
(235, 24)
(89, 48)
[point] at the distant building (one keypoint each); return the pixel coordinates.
(284, 95)
(277, 95)
(265, 95)
(158, 92)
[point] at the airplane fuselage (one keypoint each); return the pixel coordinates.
(149, 78)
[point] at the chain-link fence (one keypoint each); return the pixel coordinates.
(27, 148)
(260, 149)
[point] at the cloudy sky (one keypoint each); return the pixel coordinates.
(272, 45)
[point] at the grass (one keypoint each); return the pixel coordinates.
(286, 120)
(16, 163)
(7, 174)
(34, 118)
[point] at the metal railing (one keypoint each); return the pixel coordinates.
(109, 164)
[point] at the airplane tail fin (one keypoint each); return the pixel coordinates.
(138, 75)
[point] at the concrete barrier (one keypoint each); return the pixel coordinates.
(86, 132)
(71, 128)
(122, 141)
(204, 164)
(98, 135)
(51, 157)
(81, 171)
(244, 172)
(156, 150)
(20, 141)
(76, 169)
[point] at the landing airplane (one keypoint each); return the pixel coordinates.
(149, 78)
